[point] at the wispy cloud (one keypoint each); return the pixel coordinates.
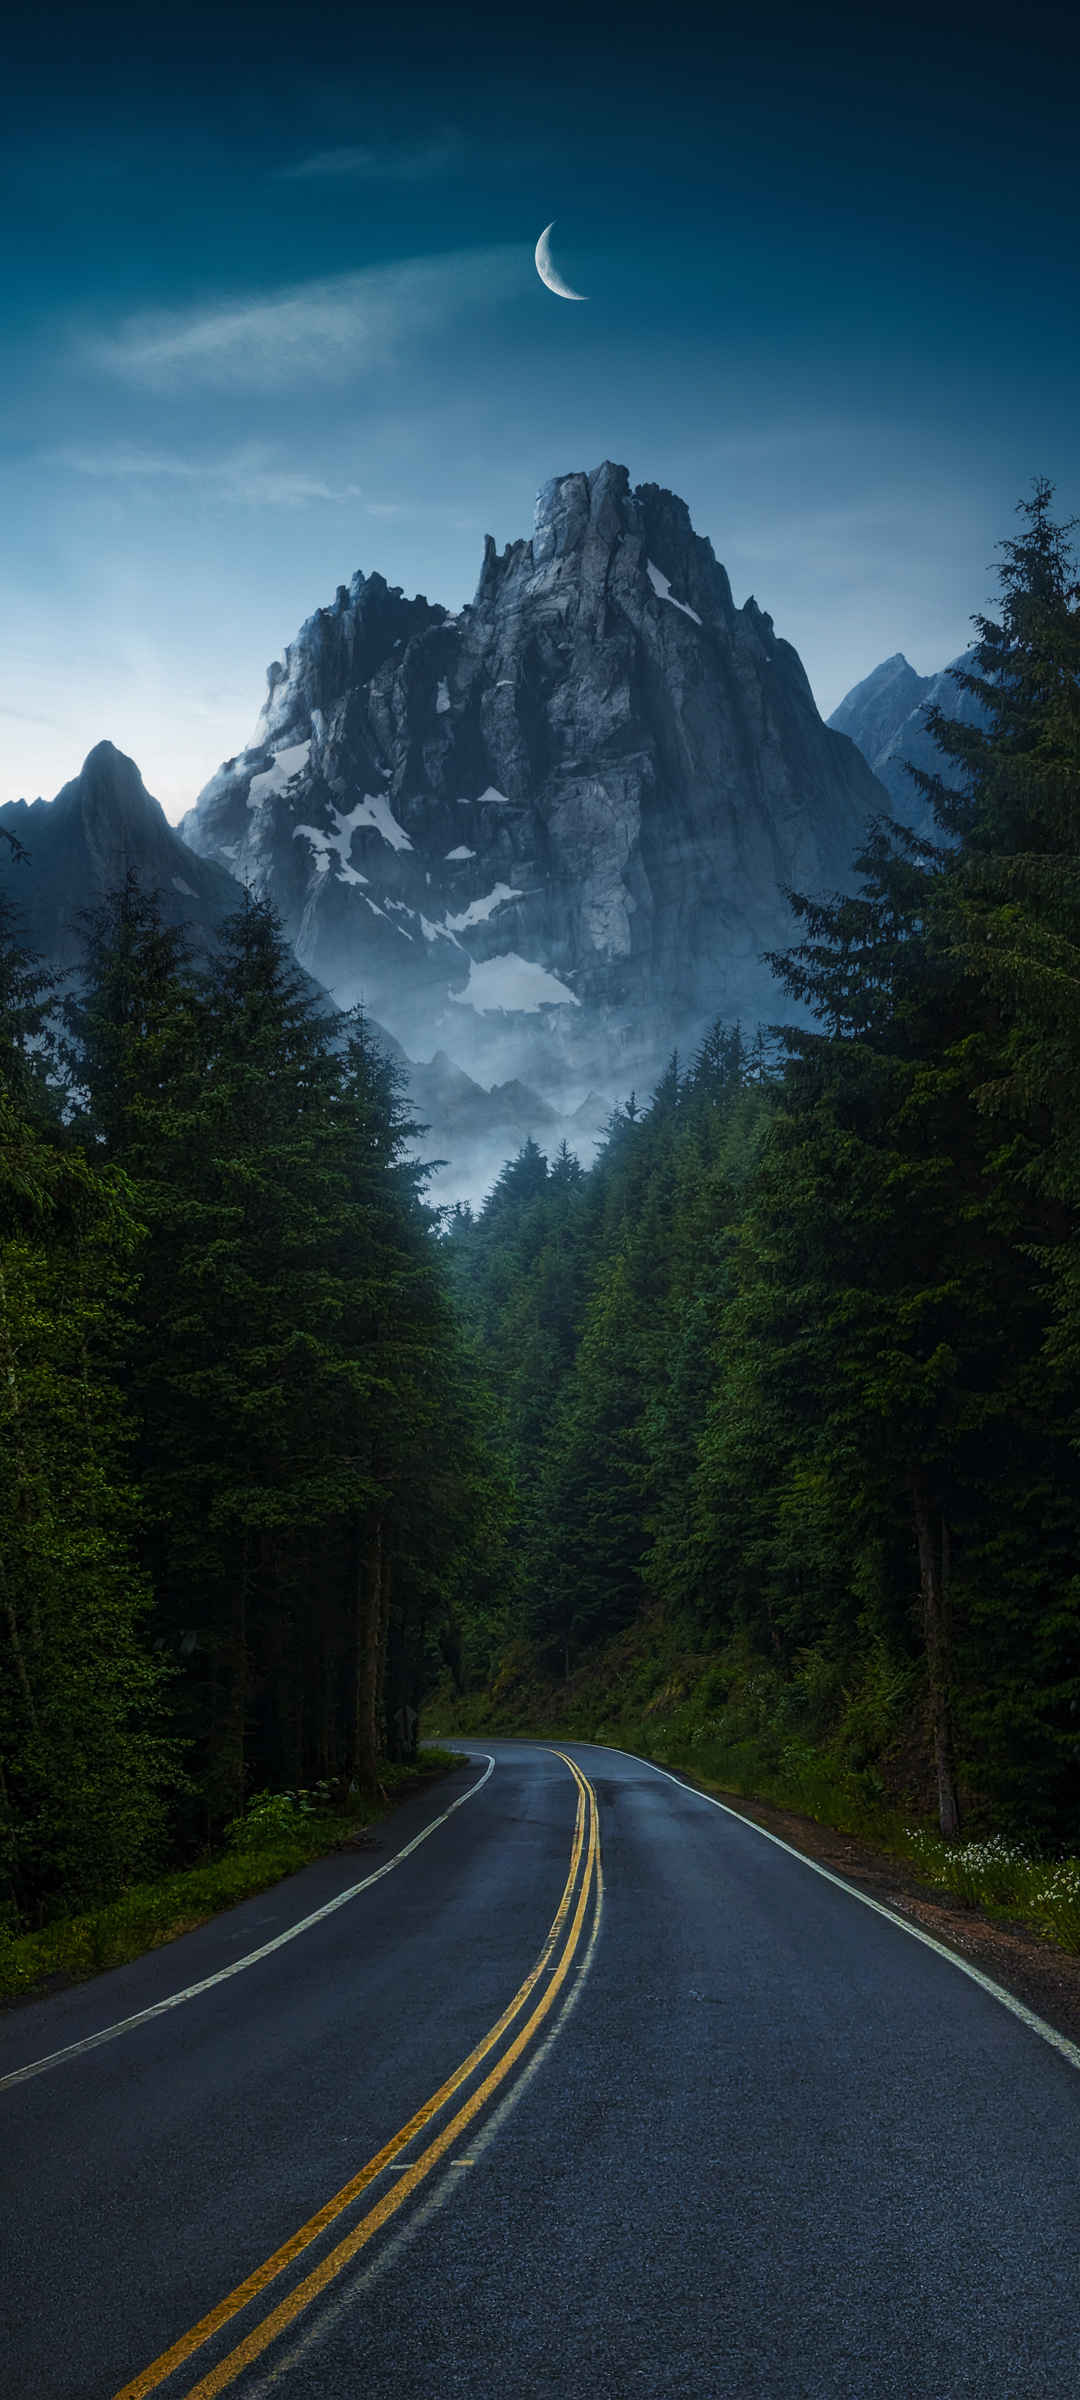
(324, 331)
(379, 162)
(24, 716)
(251, 474)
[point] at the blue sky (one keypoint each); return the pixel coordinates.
(273, 317)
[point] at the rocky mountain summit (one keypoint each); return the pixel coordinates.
(886, 715)
(547, 836)
(544, 840)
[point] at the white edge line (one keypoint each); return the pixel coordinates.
(1058, 2041)
(110, 2033)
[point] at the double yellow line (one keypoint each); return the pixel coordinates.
(551, 1968)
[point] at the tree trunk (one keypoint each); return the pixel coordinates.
(235, 1744)
(19, 1511)
(369, 1623)
(933, 1582)
(17, 1655)
(329, 1712)
(385, 1581)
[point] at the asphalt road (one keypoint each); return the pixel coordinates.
(598, 2094)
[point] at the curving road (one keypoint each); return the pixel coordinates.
(591, 2092)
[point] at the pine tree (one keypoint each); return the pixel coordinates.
(82, 1762)
(908, 1225)
(1014, 904)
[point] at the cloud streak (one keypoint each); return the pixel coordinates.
(324, 331)
(254, 475)
(378, 162)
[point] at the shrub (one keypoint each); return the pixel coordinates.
(269, 1815)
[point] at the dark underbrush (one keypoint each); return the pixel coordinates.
(277, 1834)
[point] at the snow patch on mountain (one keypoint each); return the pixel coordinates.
(663, 590)
(325, 847)
(287, 763)
(478, 911)
(511, 984)
(375, 810)
(335, 841)
(437, 933)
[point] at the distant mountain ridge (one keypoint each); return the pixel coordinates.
(82, 843)
(547, 835)
(885, 715)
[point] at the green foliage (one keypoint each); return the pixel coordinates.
(268, 1815)
(1015, 903)
(82, 1759)
(1000, 1875)
(315, 1482)
(252, 1465)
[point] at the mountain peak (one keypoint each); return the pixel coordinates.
(106, 754)
(109, 793)
(566, 503)
(101, 826)
(335, 649)
(601, 501)
(546, 834)
(108, 773)
(886, 717)
(874, 709)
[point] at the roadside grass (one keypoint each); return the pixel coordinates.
(1004, 1880)
(277, 1835)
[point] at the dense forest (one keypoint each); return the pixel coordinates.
(790, 1377)
(248, 1473)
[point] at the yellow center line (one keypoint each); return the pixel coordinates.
(162, 2367)
(302, 2295)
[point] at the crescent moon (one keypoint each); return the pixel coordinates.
(548, 271)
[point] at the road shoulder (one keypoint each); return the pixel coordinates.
(47, 2020)
(1035, 1971)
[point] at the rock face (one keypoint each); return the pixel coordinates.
(81, 844)
(886, 716)
(547, 836)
